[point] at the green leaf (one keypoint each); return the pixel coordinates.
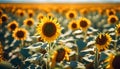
(80, 44)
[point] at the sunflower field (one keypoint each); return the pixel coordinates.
(59, 36)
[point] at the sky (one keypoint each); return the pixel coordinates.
(59, 1)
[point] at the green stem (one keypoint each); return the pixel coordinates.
(77, 51)
(96, 63)
(85, 35)
(48, 56)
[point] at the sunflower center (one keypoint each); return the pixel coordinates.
(29, 22)
(20, 34)
(13, 26)
(71, 15)
(111, 13)
(101, 40)
(4, 19)
(113, 20)
(74, 25)
(116, 62)
(60, 55)
(83, 23)
(40, 17)
(21, 14)
(30, 15)
(49, 29)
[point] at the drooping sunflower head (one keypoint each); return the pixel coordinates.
(110, 12)
(29, 22)
(112, 19)
(71, 14)
(12, 26)
(117, 31)
(30, 13)
(40, 16)
(49, 29)
(103, 41)
(84, 23)
(59, 55)
(20, 34)
(73, 25)
(4, 18)
(113, 61)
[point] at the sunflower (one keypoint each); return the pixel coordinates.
(20, 34)
(112, 19)
(117, 29)
(100, 11)
(71, 14)
(83, 11)
(12, 26)
(113, 61)
(20, 12)
(103, 41)
(4, 18)
(0, 21)
(83, 23)
(73, 25)
(59, 55)
(40, 16)
(110, 12)
(50, 14)
(29, 22)
(49, 29)
(30, 13)
(1, 53)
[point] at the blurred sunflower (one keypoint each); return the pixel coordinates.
(59, 55)
(103, 41)
(30, 13)
(1, 53)
(0, 21)
(4, 18)
(112, 19)
(117, 29)
(110, 12)
(12, 26)
(100, 11)
(19, 34)
(71, 14)
(20, 12)
(49, 29)
(83, 11)
(1, 12)
(46, 10)
(113, 61)
(62, 10)
(50, 14)
(40, 16)
(73, 25)
(29, 22)
(83, 23)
